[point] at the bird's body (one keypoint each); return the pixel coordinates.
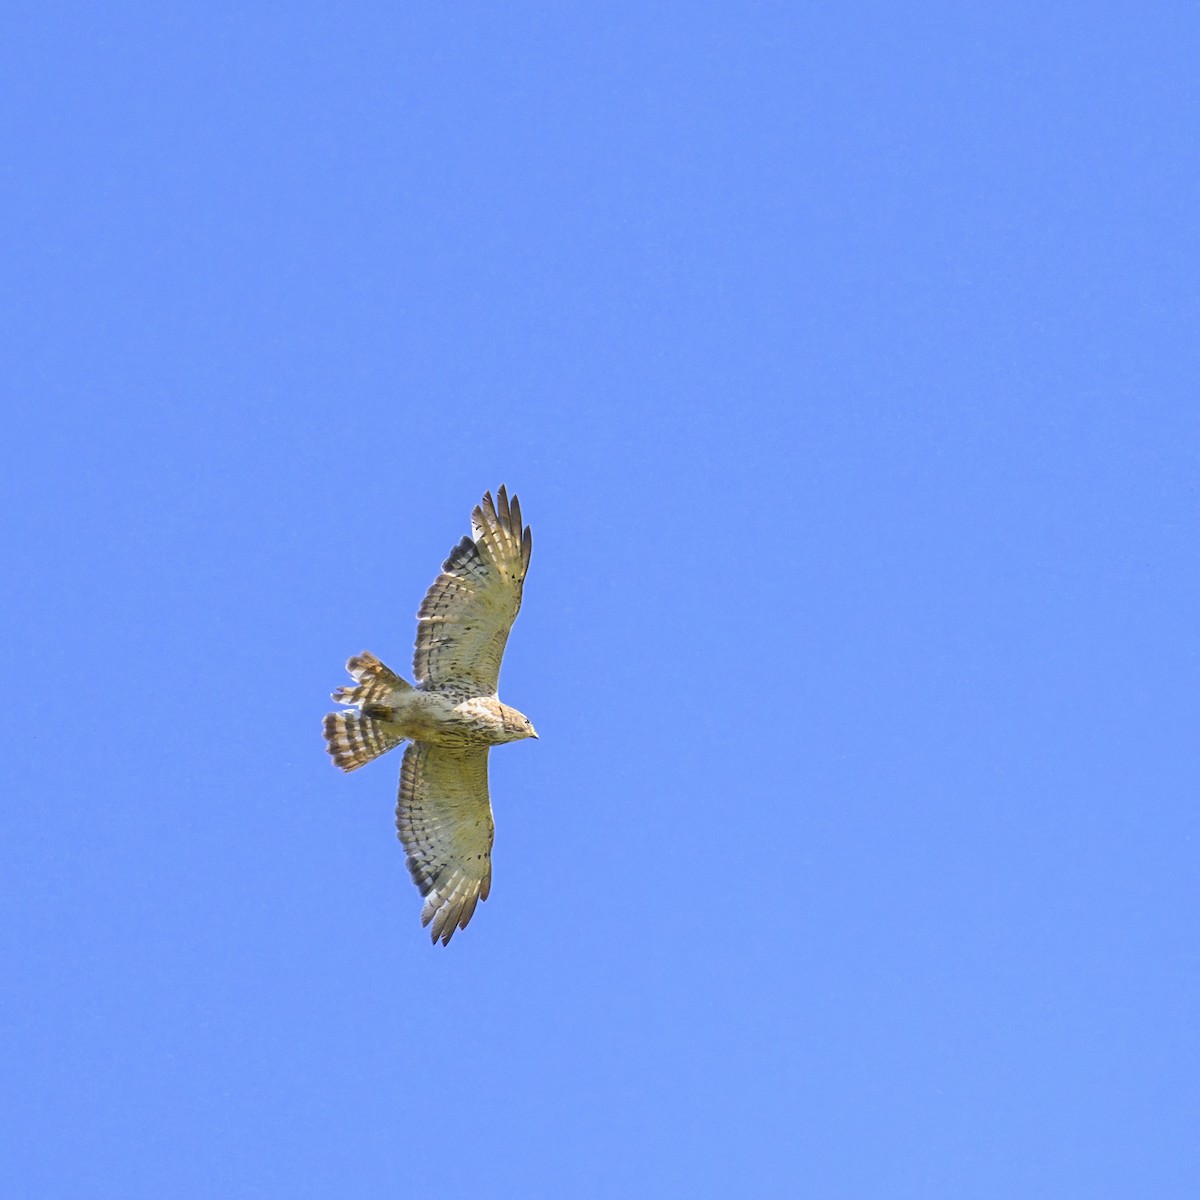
(450, 717)
(444, 719)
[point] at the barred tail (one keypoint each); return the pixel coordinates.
(377, 684)
(353, 738)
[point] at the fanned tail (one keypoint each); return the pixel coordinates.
(353, 739)
(377, 684)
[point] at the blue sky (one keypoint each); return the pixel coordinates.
(845, 361)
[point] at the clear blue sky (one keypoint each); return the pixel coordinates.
(845, 360)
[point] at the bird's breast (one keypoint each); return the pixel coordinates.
(448, 720)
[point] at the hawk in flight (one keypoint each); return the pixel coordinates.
(449, 716)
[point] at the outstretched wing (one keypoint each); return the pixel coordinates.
(444, 819)
(463, 624)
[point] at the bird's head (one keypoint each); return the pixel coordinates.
(517, 725)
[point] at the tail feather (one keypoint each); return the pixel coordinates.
(353, 739)
(376, 683)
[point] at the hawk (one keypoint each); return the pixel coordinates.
(450, 716)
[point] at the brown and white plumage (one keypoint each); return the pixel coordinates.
(463, 623)
(451, 717)
(444, 820)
